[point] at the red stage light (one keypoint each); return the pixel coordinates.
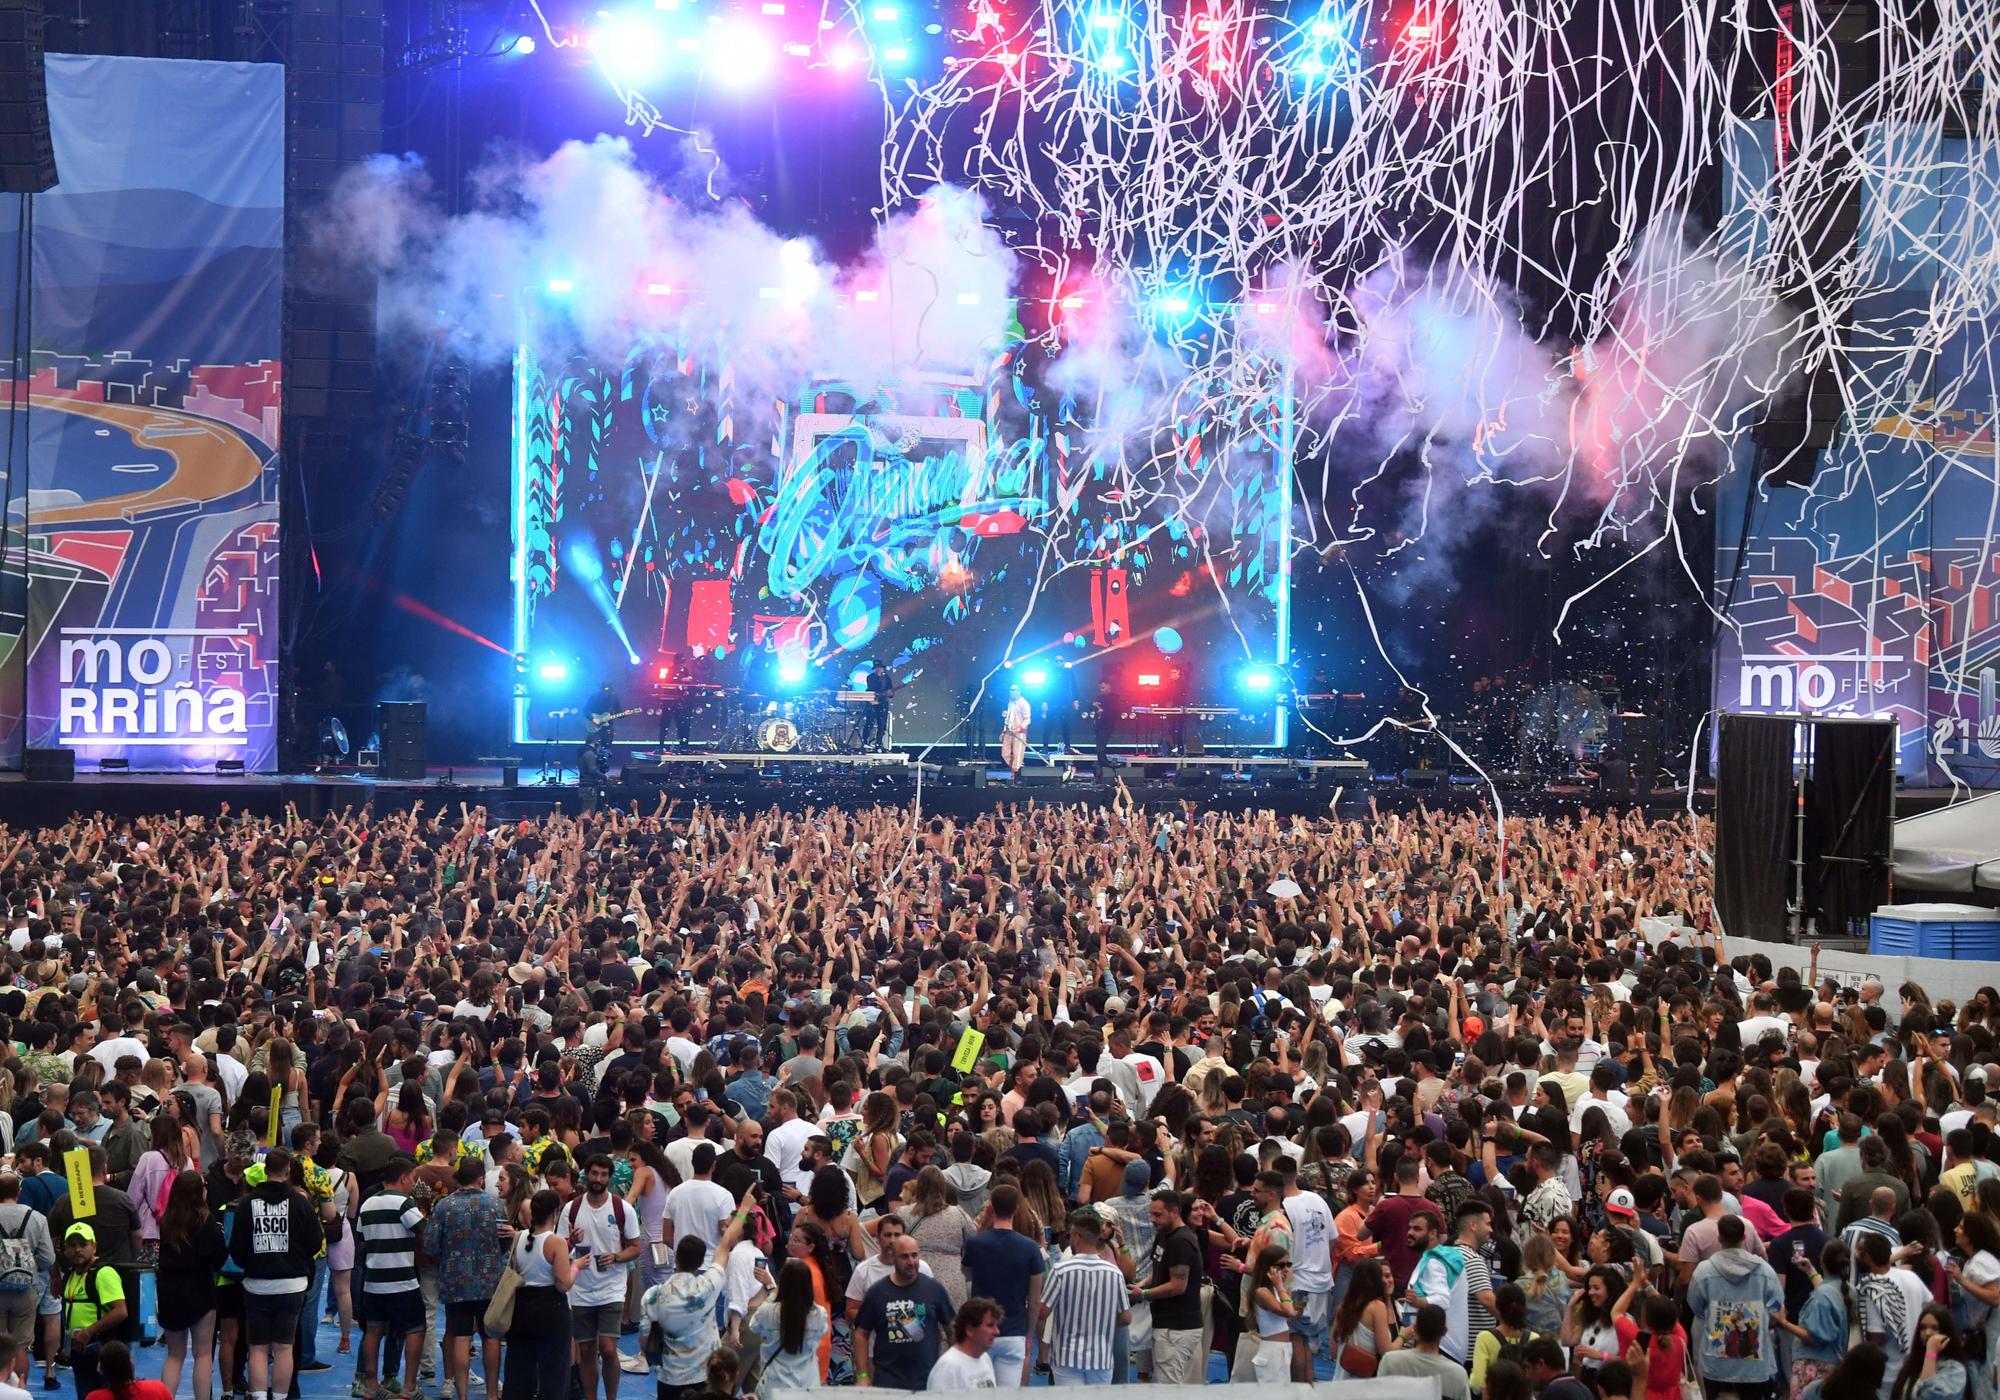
(1149, 679)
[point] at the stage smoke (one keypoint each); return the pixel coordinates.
(608, 254)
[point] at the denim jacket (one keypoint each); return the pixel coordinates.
(1733, 1297)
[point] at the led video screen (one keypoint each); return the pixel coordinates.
(968, 531)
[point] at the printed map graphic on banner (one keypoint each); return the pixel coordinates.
(1876, 591)
(150, 506)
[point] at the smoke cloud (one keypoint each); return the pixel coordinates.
(932, 292)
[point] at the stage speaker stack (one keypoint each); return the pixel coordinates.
(27, 156)
(49, 765)
(401, 726)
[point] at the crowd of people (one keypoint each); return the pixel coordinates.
(1061, 1094)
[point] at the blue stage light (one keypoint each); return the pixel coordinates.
(1034, 677)
(524, 45)
(553, 671)
(1260, 680)
(791, 671)
(561, 286)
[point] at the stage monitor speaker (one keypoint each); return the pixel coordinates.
(1040, 775)
(49, 765)
(401, 767)
(27, 155)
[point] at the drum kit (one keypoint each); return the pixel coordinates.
(825, 722)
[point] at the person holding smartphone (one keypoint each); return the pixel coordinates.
(1658, 1354)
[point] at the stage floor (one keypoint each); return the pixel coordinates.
(1225, 782)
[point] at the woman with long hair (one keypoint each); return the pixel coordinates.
(153, 1178)
(1902, 1160)
(252, 1099)
(789, 1329)
(1819, 1333)
(340, 1253)
(831, 1267)
(538, 1340)
(1510, 1329)
(1569, 1250)
(283, 1062)
(114, 1368)
(875, 1147)
(931, 1216)
(1272, 1307)
(648, 1194)
(1544, 1283)
(1934, 1368)
(1658, 1351)
(1857, 1377)
(191, 1250)
(1594, 1331)
(409, 1122)
(1364, 1323)
(1351, 1243)
(829, 1205)
(1041, 1194)
(1978, 1284)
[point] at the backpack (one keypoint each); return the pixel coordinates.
(1509, 1350)
(18, 1272)
(617, 1213)
(89, 1292)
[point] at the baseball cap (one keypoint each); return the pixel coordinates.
(80, 1231)
(1620, 1202)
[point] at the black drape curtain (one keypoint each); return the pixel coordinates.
(1848, 818)
(1753, 820)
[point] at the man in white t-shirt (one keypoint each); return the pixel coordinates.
(874, 1269)
(698, 1206)
(785, 1142)
(1312, 1264)
(1152, 1076)
(964, 1364)
(607, 1230)
(1762, 1020)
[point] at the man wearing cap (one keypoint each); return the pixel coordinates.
(1621, 1212)
(93, 1305)
(114, 1228)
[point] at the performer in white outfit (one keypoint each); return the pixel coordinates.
(1014, 732)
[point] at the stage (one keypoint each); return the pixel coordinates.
(749, 781)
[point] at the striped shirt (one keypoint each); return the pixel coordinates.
(1085, 1292)
(388, 1227)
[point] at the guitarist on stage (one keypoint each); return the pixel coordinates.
(600, 713)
